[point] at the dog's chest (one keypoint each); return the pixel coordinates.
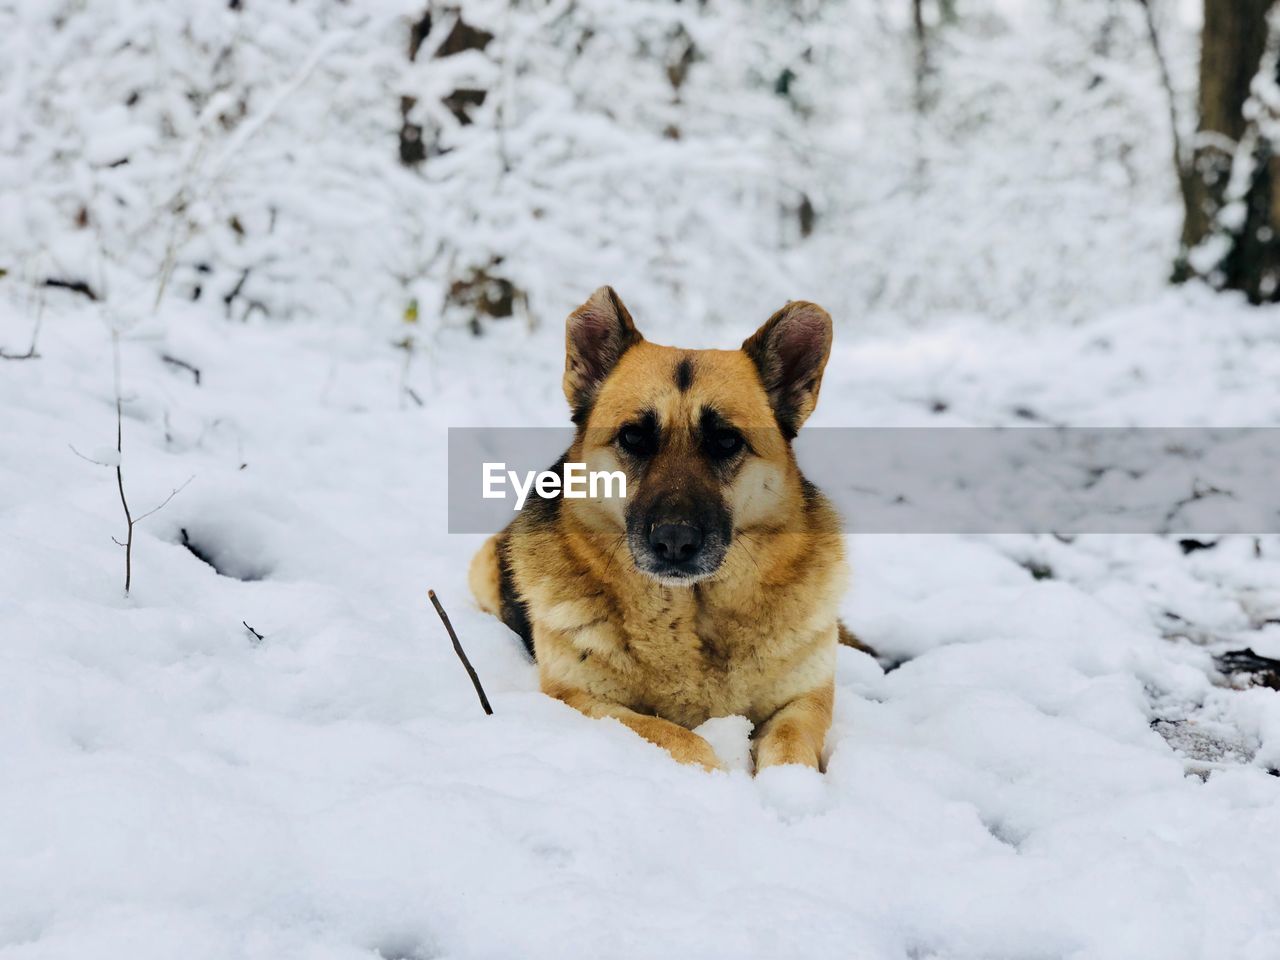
(691, 662)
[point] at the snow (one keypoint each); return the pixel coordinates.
(269, 749)
(730, 737)
(174, 784)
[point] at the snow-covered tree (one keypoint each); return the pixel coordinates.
(1231, 233)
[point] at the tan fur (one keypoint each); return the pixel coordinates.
(756, 638)
(482, 577)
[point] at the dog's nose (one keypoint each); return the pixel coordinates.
(675, 542)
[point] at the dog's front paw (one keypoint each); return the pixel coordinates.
(783, 747)
(693, 749)
(683, 744)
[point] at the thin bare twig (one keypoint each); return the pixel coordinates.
(1199, 491)
(257, 637)
(923, 68)
(88, 459)
(165, 502)
(128, 517)
(1182, 163)
(179, 362)
(32, 353)
(74, 286)
(130, 520)
(462, 654)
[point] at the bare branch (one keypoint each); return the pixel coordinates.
(165, 502)
(462, 654)
(98, 463)
(119, 464)
(177, 362)
(1181, 161)
(75, 286)
(31, 353)
(1166, 81)
(923, 67)
(1199, 491)
(128, 546)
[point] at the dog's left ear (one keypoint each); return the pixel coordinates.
(790, 352)
(596, 336)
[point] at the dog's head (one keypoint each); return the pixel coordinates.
(703, 436)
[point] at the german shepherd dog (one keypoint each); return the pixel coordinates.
(712, 588)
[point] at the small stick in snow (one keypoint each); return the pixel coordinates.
(75, 286)
(177, 362)
(1199, 491)
(1181, 160)
(31, 353)
(130, 520)
(257, 637)
(462, 654)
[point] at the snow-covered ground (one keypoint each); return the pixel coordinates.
(1055, 770)
(268, 749)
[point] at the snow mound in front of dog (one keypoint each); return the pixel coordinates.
(730, 738)
(273, 751)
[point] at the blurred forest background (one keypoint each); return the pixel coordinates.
(470, 163)
(489, 161)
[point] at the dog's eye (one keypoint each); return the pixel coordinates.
(636, 440)
(725, 443)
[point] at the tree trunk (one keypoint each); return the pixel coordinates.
(1235, 36)
(1252, 263)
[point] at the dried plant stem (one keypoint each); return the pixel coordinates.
(130, 520)
(124, 502)
(32, 353)
(1182, 161)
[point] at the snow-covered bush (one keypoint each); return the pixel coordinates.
(484, 159)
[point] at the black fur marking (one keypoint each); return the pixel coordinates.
(812, 495)
(715, 655)
(538, 511)
(515, 612)
(784, 414)
(543, 511)
(769, 370)
(624, 315)
(684, 375)
(647, 425)
(710, 427)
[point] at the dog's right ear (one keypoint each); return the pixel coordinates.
(596, 336)
(790, 352)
